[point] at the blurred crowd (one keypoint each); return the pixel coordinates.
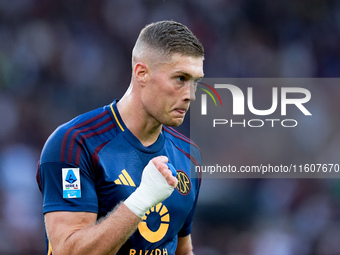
(61, 58)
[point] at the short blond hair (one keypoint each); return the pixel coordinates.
(168, 37)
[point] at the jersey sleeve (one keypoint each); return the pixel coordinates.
(195, 156)
(54, 184)
(186, 229)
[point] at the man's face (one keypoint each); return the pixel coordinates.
(171, 87)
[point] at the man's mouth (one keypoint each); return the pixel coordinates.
(181, 111)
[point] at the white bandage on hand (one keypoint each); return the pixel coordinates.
(152, 190)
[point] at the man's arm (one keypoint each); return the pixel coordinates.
(78, 232)
(184, 246)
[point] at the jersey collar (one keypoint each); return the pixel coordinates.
(153, 148)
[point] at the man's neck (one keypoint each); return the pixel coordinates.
(143, 127)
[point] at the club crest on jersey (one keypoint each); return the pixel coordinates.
(184, 183)
(71, 183)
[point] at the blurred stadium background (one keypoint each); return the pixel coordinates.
(61, 58)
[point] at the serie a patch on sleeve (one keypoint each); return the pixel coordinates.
(71, 183)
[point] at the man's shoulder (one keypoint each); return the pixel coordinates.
(180, 140)
(186, 146)
(73, 131)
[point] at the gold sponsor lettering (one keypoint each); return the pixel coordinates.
(148, 252)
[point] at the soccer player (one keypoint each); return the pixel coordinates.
(108, 176)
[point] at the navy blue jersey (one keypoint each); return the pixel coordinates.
(94, 162)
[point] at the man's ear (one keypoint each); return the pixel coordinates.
(141, 72)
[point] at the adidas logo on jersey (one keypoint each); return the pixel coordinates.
(125, 179)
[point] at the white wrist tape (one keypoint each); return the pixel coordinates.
(152, 190)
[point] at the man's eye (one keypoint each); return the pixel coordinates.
(199, 80)
(196, 82)
(181, 78)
